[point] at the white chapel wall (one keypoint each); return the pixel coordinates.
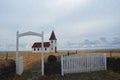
(38, 50)
(53, 44)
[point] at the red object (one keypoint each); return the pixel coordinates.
(52, 37)
(39, 44)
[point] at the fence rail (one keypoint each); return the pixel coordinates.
(77, 64)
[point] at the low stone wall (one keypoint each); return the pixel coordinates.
(7, 69)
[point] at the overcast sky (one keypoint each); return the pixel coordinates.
(76, 23)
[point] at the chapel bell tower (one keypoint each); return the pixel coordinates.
(53, 42)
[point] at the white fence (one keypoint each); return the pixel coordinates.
(77, 64)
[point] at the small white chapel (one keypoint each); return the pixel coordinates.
(50, 46)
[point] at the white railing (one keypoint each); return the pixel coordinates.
(77, 64)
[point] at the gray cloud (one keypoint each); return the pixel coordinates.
(116, 41)
(77, 23)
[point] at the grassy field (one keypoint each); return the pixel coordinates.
(33, 62)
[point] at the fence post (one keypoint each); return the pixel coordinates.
(105, 61)
(20, 65)
(62, 66)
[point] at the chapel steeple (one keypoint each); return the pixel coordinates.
(52, 37)
(53, 42)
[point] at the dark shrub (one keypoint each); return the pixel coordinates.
(113, 64)
(7, 69)
(52, 68)
(52, 58)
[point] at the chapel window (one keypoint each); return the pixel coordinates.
(34, 49)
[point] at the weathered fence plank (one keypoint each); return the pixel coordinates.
(77, 64)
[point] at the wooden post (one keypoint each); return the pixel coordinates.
(68, 53)
(111, 54)
(76, 51)
(62, 66)
(6, 57)
(42, 54)
(105, 64)
(17, 48)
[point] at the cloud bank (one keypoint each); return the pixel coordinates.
(77, 23)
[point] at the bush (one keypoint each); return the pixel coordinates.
(52, 68)
(7, 69)
(113, 64)
(52, 58)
